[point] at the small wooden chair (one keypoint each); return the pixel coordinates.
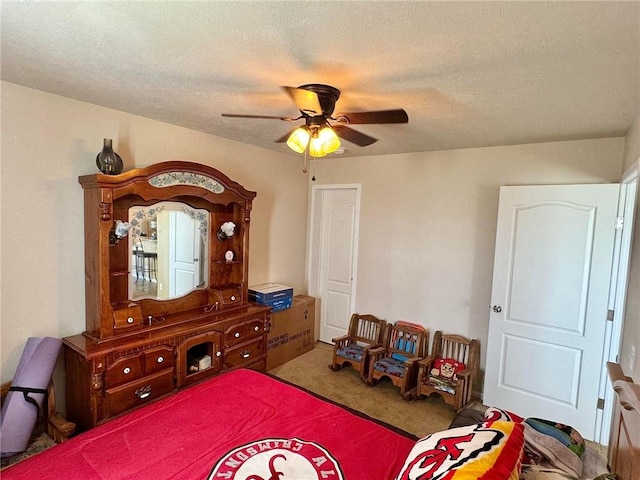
(365, 332)
(397, 359)
(450, 369)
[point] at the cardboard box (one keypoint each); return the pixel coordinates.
(268, 292)
(291, 332)
(277, 305)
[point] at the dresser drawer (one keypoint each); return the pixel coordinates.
(129, 318)
(125, 397)
(123, 370)
(230, 296)
(244, 354)
(157, 359)
(243, 332)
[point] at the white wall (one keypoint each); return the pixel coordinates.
(427, 224)
(48, 141)
(631, 332)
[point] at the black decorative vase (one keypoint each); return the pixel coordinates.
(108, 161)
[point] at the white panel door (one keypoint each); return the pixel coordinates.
(552, 268)
(183, 257)
(337, 233)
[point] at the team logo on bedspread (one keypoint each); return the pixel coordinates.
(477, 451)
(277, 459)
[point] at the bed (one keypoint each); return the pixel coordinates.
(246, 425)
(225, 428)
(624, 443)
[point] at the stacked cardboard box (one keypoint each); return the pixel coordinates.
(275, 295)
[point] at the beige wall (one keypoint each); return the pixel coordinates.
(48, 141)
(631, 332)
(427, 225)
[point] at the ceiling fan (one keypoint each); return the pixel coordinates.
(322, 128)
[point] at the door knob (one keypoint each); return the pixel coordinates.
(497, 308)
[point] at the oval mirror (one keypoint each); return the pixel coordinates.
(169, 250)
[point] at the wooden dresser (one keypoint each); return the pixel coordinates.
(158, 320)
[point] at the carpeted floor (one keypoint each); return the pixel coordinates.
(382, 402)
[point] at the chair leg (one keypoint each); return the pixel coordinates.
(335, 366)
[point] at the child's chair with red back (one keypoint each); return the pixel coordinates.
(450, 369)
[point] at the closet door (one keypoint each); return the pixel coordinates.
(333, 255)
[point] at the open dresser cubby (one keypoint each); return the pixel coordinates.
(165, 287)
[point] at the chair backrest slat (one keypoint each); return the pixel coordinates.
(456, 347)
(366, 329)
(403, 341)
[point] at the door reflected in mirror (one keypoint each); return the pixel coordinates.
(169, 247)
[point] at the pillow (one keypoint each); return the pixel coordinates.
(565, 434)
(553, 445)
(488, 450)
(493, 414)
(447, 368)
(466, 416)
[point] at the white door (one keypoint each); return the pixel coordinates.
(184, 254)
(552, 267)
(335, 212)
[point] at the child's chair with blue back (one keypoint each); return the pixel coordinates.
(404, 345)
(365, 332)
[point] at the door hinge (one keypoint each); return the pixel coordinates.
(610, 315)
(619, 223)
(600, 405)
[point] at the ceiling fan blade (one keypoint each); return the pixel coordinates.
(272, 117)
(353, 136)
(381, 116)
(306, 100)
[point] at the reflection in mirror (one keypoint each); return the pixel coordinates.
(169, 250)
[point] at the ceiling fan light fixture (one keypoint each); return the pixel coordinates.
(316, 147)
(329, 139)
(299, 139)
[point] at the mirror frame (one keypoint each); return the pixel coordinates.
(109, 197)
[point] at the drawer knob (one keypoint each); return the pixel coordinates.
(218, 354)
(246, 354)
(126, 370)
(160, 359)
(237, 334)
(233, 298)
(143, 392)
(256, 328)
(130, 320)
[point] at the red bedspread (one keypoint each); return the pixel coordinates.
(240, 425)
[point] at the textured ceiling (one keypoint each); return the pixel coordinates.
(469, 74)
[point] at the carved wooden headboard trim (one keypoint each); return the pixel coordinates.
(624, 442)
